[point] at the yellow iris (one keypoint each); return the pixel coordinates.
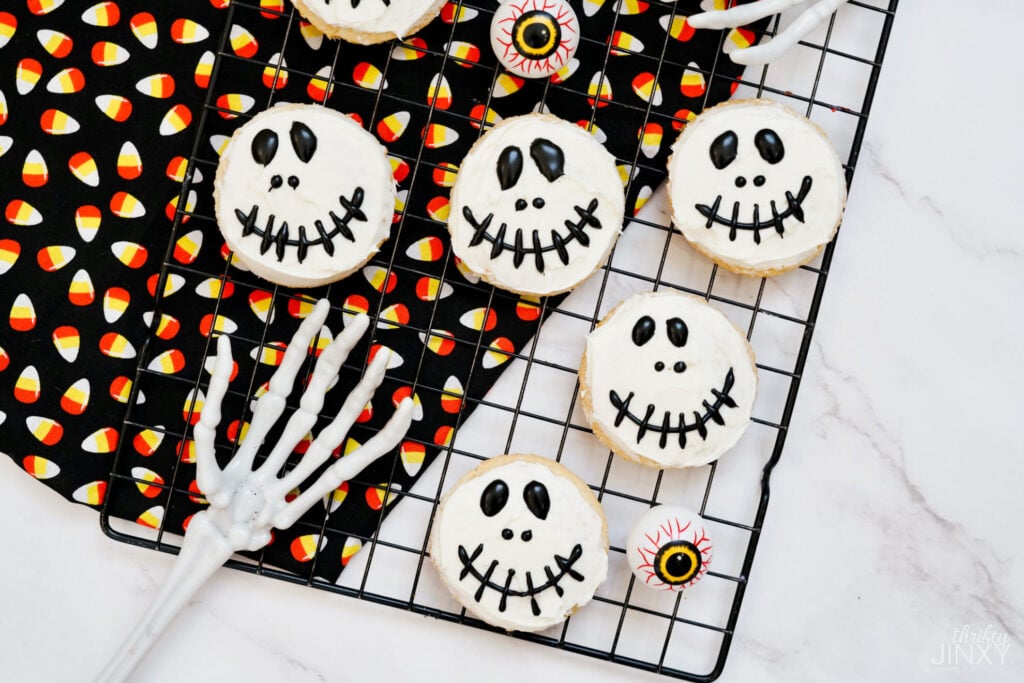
(536, 34)
(677, 562)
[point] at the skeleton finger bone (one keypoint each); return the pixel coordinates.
(244, 503)
(270, 406)
(740, 14)
(312, 401)
(350, 465)
(208, 475)
(782, 42)
(333, 434)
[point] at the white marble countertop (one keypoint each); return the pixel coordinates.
(894, 533)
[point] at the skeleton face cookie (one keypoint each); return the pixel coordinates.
(369, 21)
(669, 548)
(537, 205)
(756, 187)
(667, 380)
(521, 542)
(304, 196)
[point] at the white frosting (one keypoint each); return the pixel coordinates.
(589, 175)
(713, 348)
(346, 158)
(510, 37)
(695, 181)
(572, 521)
(669, 548)
(372, 16)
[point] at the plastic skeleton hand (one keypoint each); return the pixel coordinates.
(246, 502)
(741, 15)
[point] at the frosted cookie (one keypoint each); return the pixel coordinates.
(521, 542)
(304, 196)
(537, 205)
(534, 38)
(756, 187)
(669, 548)
(667, 380)
(369, 21)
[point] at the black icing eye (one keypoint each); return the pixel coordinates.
(677, 562)
(643, 330)
(510, 166)
(264, 146)
(723, 149)
(769, 145)
(303, 141)
(494, 497)
(536, 496)
(549, 158)
(677, 331)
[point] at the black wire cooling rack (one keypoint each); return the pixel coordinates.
(831, 76)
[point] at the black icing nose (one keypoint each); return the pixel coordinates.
(508, 534)
(522, 204)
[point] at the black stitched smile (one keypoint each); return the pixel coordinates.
(281, 239)
(712, 412)
(519, 250)
(553, 579)
(757, 225)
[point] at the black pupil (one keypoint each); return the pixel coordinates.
(536, 35)
(679, 564)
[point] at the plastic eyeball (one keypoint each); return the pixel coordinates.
(534, 38)
(669, 548)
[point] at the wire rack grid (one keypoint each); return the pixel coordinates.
(831, 76)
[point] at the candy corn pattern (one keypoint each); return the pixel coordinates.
(108, 99)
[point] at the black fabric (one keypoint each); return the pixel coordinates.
(81, 305)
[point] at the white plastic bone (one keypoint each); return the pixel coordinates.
(782, 42)
(245, 503)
